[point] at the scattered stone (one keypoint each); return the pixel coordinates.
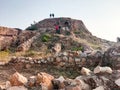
(27, 66)
(85, 71)
(65, 53)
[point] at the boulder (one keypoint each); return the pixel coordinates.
(58, 83)
(31, 81)
(99, 69)
(17, 79)
(57, 47)
(44, 79)
(117, 82)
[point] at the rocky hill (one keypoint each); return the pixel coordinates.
(33, 37)
(72, 60)
(78, 29)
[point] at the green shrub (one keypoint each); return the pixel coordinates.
(32, 27)
(46, 37)
(77, 32)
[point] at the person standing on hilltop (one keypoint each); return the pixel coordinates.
(67, 27)
(53, 15)
(50, 15)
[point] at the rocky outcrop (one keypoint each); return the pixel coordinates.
(112, 57)
(10, 37)
(7, 36)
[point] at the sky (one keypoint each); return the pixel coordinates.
(101, 17)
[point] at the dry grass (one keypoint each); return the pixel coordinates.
(33, 54)
(79, 40)
(5, 56)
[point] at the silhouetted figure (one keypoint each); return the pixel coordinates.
(53, 15)
(50, 15)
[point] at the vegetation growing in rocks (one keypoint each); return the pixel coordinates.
(77, 48)
(46, 37)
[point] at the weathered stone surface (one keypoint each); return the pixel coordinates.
(17, 88)
(45, 79)
(99, 69)
(27, 44)
(57, 48)
(112, 57)
(77, 87)
(17, 79)
(84, 85)
(32, 81)
(58, 83)
(99, 88)
(28, 66)
(10, 37)
(118, 82)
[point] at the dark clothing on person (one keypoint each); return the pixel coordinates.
(53, 15)
(50, 15)
(67, 25)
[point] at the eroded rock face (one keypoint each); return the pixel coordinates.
(7, 37)
(10, 37)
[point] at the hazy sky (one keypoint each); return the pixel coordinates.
(101, 17)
